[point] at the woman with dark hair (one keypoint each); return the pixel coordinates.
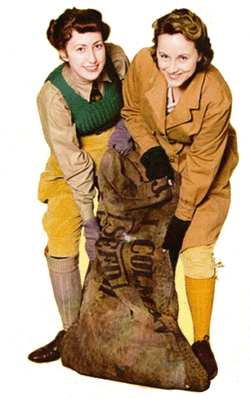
(177, 107)
(79, 105)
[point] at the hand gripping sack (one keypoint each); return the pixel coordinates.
(127, 326)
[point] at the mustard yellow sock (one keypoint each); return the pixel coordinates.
(200, 296)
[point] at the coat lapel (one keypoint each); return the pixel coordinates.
(157, 99)
(189, 100)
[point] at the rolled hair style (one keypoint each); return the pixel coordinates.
(89, 20)
(191, 26)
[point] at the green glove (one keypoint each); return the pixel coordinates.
(156, 163)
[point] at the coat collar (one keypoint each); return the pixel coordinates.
(157, 98)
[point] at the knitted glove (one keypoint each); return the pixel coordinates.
(91, 234)
(121, 139)
(176, 231)
(156, 163)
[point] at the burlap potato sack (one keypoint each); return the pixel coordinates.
(127, 328)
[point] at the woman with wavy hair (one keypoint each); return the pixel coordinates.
(79, 106)
(177, 107)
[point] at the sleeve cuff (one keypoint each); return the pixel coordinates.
(185, 211)
(87, 212)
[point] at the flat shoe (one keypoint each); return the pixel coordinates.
(48, 353)
(203, 352)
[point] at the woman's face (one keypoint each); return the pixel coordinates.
(177, 58)
(85, 53)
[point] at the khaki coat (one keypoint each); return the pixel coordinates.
(197, 136)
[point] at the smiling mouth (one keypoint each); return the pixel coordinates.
(91, 68)
(174, 77)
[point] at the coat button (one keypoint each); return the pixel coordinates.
(172, 159)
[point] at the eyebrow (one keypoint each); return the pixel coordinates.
(181, 54)
(84, 45)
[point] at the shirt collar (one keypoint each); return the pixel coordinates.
(80, 87)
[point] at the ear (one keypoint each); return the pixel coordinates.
(63, 55)
(200, 57)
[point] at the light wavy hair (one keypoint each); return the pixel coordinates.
(191, 26)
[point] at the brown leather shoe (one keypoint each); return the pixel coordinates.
(48, 353)
(203, 352)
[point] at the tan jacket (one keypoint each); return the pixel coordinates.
(196, 135)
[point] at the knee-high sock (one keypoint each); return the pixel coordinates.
(200, 296)
(66, 284)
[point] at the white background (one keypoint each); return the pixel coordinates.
(28, 314)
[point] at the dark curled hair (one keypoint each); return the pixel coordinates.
(60, 29)
(191, 26)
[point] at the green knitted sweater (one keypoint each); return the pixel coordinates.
(89, 117)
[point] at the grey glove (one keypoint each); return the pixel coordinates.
(91, 234)
(121, 139)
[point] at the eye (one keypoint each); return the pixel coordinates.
(164, 56)
(98, 46)
(80, 49)
(183, 57)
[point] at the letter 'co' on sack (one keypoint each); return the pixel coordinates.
(127, 327)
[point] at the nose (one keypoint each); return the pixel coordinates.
(91, 56)
(172, 66)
